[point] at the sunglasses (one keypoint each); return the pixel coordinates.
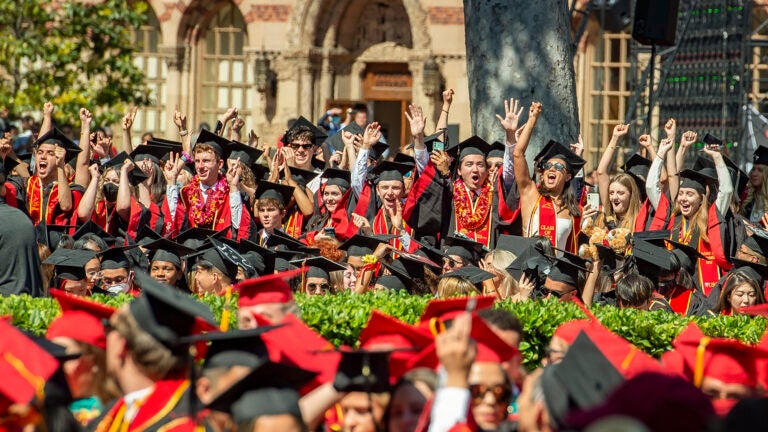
(557, 165)
(315, 287)
(502, 392)
(296, 146)
(449, 262)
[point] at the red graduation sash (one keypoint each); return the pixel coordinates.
(221, 219)
(35, 200)
(505, 213)
(380, 226)
(548, 223)
(681, 301)
(155, 408)
(294, 225)
(707, 269)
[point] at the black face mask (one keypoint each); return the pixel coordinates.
(110, 191)
(666, 285)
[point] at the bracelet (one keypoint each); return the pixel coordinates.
(612, 147)
(445, 111)
(183, 133)
(662, 159)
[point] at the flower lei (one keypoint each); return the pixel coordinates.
(472, 217)
(202, 212)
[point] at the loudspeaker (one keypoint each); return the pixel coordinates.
(656, 22)
(618, 13)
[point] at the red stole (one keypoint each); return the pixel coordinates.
(506, 214)
(35, 200)
(680, 300)
(380, 226)
(707, 269)
(341, 221)
(10, 195)
(295, 224)
(548, 223)
(155, 408)
(647, 213)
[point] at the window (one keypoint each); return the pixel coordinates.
(151, 118)
(223, 72)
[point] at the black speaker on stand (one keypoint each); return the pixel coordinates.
(656, 22)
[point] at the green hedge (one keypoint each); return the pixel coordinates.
(340, 318)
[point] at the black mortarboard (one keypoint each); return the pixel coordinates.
(377, 150)
(687, 255)
(337, 177)
(470, 250)
(757, 243)
(166, 313)
(651, 235)
(474, 274)
(270, 389)
(166, 250)
(739, 178)
(711, 139)
(637, 167)
(303, 177)
(136, 175)
(336, 140)
(363, 371)
(260, 258)
(554, 149)
(115, 258)
(566, 268)
(497, 150)
(236, 348)
(361, 245)
(405, 158)
(217, 143)
(387, 170)
(473, 145)
(760, 156)
(290, 243)
(260, 172)
(758, 271)
(301, 122)
(146, 235)
(276, 191)
(50, 235)
(91, 227)
(196, 236)
(248, 155)
(696, 180)
(582, 380)
(8, 165)
(55, 136)
(402, 273)
(318, 266)
(224, 258)
(152, 152)
(515, 244)
(70, 264)
(174, 146)
(652, 258)
(608, 257)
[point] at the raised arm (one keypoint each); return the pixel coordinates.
(417, 120)
(604, 167)
(442, 121)
(724, 182)
(522, 174)
(371, 136)
(82, 174)
(65, 194)
(180, 120)
(236, 129)
(88, 201)
(224, 119)
(652, 183)
(301, 195)
(512, 112)
(688, 138)
(123, 205)
(47, 124)
(128, 120)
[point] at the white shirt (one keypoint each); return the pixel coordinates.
(133, 402)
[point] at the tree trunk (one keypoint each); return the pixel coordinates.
(521, 49)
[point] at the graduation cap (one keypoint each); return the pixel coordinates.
(440, 136)
(217, 143)
(385, 332)
(57, 137)
(582, 380)
(448, 309)
(195, 237)
(377, 150)
(363, 371)
(609, 258)
(166, 313)
(696, 180)
(80, 326)
(497, 150)
(283, 241)
(433, 254)
(387, 170)
(74, 303)
(473, 145)
(757, 271)
(467, 249)
(261, 259)
(336, 140)
(115, 258)
(154, 153)
(566, 268)
(760, 156)
(687, 255)
(360, 245)
(637, 167)
(166, 250)
(301, 122)
(135, 176)
(402, 272)
(474, 274)
(24, 366)
(739, 178)
(405, 158)
(554, 149)
(224, 258)
(248, 155)
(51, 235)
(276, 191)
(271, 288)
(147, 235)
(337, 177)
(8, 165)
(532, 262)
(270, 389)
(757, 243)
(69, 263)
(515, 244)
(302, 176)
(318, 267)
(651, 258)
(260, 172)
(712, 140)
(175, 146)
(236, 348)
(91, 227)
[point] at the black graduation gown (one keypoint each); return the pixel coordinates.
(20, 272)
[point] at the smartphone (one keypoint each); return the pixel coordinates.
(593, 200)
(437, 145)
(329, 231)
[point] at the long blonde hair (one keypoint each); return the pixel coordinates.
(700, 219)
(453, 286)
(753, 194)
(500, 259)
(628, 220)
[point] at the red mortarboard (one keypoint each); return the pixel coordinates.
(447, 309)
(80, 326)
(266, 289)
(297, 344)
(24, 366)
(625, 357)
(70, 302)
(569, 330)
(756, 310)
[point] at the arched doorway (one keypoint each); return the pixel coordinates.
(387, 88)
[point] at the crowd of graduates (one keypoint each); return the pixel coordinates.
(336, 209)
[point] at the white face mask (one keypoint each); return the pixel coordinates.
(118, 288)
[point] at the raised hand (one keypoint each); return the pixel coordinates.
(588, 212)
(93, 170)
(535, 110)
(578, 147)
(372, 135)
(689, 137)
(85, 117)
(396, 215)
(361, 222)
(644, 141)
(448, 97)
(416, 119)
(525, 286)
(179, 119)
(100, 147)
(671, 129)
(512, 112)
(129, 118)
(48, 108)
(456, 351)
(5, 145)
(128, 166)
(620, 130)
(289, 156)
(60, 153)
(442, 161)
(664, 146)
(233, 174)
(172, 167)
(228, 115)
(238, 124)
(253, 139)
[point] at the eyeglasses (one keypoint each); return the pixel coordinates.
(318, 287)
(449, 262)
(502, 392)
(93, 274)
(117, 280)
(297, 146)
(557, 165)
